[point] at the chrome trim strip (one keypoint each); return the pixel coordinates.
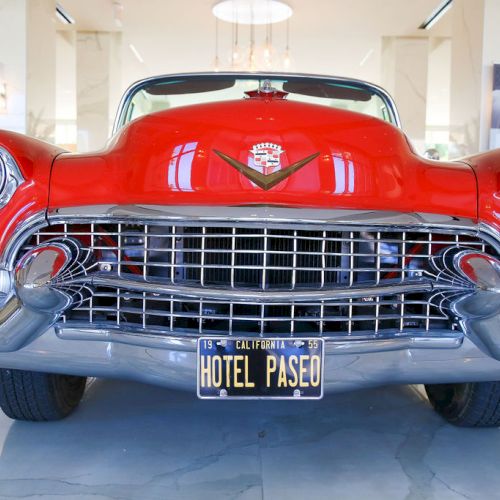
(274, 217)
(13, 177)
(179, 341)
(260, 296)
(83, 332)
(489, 230)
(21, 233)
(438, 340)
(129, 93)
(266, 215)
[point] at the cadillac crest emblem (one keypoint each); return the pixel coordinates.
(266, 157)
(264, 169)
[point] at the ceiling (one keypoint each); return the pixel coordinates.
(326, 36)
(386, 17)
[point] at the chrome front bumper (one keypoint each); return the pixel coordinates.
(50, 278)
(171, 362)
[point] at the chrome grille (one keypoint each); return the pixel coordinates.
(260, 256)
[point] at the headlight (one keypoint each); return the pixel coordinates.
(10, 177)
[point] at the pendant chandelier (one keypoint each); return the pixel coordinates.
(251, 35)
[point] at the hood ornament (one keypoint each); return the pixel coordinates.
(266, 91)
(266, 156)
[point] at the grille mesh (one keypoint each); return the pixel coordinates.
(254, 256)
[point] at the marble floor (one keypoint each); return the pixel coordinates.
(131, 441)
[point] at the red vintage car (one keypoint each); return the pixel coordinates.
(249, 236)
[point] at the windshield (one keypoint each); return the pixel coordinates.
(163, 93)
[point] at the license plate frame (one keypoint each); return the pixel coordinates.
(224, 344)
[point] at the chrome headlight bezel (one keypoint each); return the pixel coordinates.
(10, 177)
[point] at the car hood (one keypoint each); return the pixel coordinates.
(227, 154)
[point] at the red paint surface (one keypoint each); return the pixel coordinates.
(34, 159)
(486, 166)
(167, 158)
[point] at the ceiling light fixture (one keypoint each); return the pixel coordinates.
(366, 57)
(136, 53)
(63, 15)
(252, 11)
(257, 52)
(436, 15)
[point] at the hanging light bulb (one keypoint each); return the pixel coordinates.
(252, 57)
(268, 57)
(287, 62)
(268, 47)
(216, 64)
(235, 58)
(235, 54)
(268, 63)
(251, 53)
(216, 59)
(251, 61)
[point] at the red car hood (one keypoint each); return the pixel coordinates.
(170, 158)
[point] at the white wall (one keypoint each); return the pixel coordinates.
(404, 75)
(490, 56)
(66, 88)
(13, 63)
(438, 91)
(326, 37)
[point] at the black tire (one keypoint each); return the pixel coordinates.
(39, 397)
(467, 405)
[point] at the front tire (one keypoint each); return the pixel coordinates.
(39, 397)
(467, 405)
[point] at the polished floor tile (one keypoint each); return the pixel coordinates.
(131, 441)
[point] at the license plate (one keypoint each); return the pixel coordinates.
(260, 368)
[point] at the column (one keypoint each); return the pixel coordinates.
(97, 83)
(438, 95)
(66, 89)
(404, 75)
(41, 69)
(13, 65)
(27, 67)
(491, 56)
(475, 49)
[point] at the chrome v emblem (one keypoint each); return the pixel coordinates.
(265, 181)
